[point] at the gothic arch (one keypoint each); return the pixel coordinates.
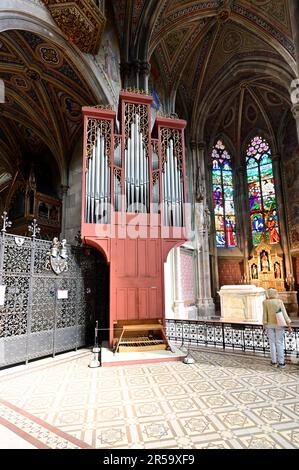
(17, 21)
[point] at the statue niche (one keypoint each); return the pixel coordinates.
(266, 267)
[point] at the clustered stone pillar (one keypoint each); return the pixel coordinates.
(202, 222)
(135, 74)
(64, 190)
(243, 228)
(178, 306)
(276, 162)
(294, 14)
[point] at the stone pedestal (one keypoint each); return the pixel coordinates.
(289, 299)
(242, 303)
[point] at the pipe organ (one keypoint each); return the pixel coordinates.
(133, 207)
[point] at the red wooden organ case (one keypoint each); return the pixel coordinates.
(133, 202)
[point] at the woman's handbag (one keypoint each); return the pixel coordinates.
(280, 320)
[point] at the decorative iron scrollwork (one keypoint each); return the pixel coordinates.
(6, 223)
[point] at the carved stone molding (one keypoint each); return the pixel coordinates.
(81, 21)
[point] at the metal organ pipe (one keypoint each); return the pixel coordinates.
(108, 188)
(102, 181)
(180, 198)
(126, 178)
(172, 186)
(175, 171)
(93, 164)
(168, 187)
(165, 194)
(97, 179)
(136, 170)
(105, 184)
(132, 157)
(138, 160)
(87, 191)
(141, 182)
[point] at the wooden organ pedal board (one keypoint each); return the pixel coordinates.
(133, 208)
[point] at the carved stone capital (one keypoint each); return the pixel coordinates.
(194, 145)
(276, 158)
(145, 68)
(136, 66)
(64, 189)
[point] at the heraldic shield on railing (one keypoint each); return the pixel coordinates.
(133, 205)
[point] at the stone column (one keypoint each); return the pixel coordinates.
(135, 74)
(284, 240)
(243, 231)
(202, 225)
(295, 111)
(64, 189)
(178, 306)
(294, 14)
(126, 73)
(144, 73)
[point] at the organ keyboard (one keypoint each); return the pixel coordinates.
(139, 336)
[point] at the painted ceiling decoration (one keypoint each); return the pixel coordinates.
(44, 94)
(214, 59)
(82, 21)
(272, 16)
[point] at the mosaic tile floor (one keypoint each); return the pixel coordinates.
(221, 401)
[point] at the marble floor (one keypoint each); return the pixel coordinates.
(221, 401)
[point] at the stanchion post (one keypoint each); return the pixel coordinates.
(96, 359)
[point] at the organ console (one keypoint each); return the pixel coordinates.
(133, 205)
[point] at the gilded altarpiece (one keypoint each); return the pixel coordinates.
(266, 267)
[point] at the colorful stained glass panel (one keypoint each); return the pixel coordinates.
(223, 196)
(261, 192)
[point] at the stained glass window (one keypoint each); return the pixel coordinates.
(223, 197)
(261, 192)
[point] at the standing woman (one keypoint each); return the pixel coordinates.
(275, 318)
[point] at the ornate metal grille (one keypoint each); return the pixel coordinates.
(33, 321)
(227, 336)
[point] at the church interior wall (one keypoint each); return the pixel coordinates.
(233, 101)
(230, 271)
(74, 193)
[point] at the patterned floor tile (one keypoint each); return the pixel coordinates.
(221, 401)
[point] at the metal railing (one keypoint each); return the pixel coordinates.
(231, 336)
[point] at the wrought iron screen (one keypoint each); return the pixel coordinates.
(33, 321)
(231, 336)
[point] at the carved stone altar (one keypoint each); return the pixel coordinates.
(242, 303)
